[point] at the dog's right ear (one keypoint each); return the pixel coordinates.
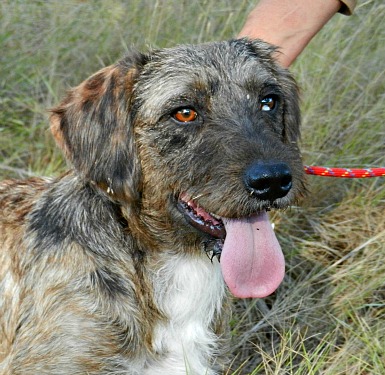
(94, 127)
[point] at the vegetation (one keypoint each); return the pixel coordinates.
(328, 317)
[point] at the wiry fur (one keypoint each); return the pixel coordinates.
(99, 272)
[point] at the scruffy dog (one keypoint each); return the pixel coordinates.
(120, 266)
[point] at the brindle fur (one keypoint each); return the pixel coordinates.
(99, 272)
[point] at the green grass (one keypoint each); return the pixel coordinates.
(328, 317)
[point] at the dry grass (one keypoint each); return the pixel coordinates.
(328, 317)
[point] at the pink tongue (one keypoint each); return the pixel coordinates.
(252, 261)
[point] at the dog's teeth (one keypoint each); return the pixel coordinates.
(215, 217)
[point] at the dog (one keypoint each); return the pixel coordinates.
(125, 264)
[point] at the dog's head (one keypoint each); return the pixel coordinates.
(199, 137)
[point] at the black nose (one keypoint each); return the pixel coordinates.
(268, 180)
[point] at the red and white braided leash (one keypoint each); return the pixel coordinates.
(344, 172)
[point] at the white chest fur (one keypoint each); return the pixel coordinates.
(189, 291)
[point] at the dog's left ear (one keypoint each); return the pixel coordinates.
(291, 109)
(93, 126)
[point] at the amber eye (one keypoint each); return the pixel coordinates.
(268, 103)
(185, 115)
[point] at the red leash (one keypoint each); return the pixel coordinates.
(344, 172)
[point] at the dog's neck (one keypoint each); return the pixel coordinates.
(190, 291)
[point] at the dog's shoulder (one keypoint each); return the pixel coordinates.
(72, 210)
(17, 198)
(65, 271)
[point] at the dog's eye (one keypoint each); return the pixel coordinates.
(268, 103)
(185, 115)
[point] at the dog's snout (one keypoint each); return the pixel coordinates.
(268, 180)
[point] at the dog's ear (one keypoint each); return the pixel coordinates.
(291, 108)
(93, 126)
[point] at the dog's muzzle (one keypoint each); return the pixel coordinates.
(250, 256)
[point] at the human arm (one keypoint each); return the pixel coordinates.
(291, 24)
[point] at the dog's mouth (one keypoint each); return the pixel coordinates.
(201, 219)
(251, 259)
